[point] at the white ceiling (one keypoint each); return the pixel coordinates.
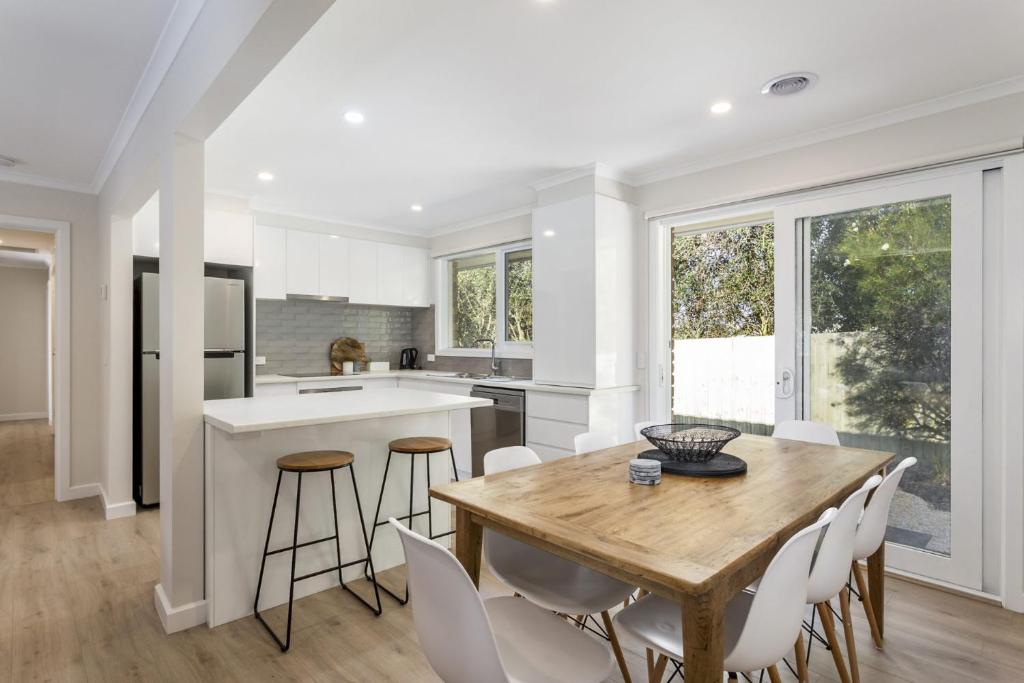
(466, 103)
(68, 71)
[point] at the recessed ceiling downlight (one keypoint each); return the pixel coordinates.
(789, 84)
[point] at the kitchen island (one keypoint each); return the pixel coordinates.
(243, 439)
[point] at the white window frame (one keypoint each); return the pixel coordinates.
(442, 295)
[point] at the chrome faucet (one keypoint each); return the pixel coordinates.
(494, 360)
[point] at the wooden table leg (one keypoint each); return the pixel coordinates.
(469, 537)
(703, 638)
(876, 587)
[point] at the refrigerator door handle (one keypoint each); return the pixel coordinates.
(218, 353)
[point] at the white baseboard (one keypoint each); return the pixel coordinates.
(80, 491)
(14, 417)
(117, 510)
(176, 619)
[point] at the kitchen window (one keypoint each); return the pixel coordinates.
(487, 294)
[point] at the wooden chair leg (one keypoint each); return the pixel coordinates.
(658, 671)
(869, 611)
(773, 674)
(851, 647)
(833, 642)
(801, 659)
(650, 664)
(613, 638)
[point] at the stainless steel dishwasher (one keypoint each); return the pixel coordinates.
(499, 425)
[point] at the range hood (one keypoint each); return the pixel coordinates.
(317, 297)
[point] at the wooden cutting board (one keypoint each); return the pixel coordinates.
(346, 349)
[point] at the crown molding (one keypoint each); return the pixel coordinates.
(257, 206)
(176, 29)
(483, 220)
(22, 178)
(591, 169)
(964, 98)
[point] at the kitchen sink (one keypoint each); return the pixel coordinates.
(472, 375)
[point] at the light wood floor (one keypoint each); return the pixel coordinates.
(76, 604)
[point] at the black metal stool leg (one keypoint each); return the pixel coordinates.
(266, 547)
(376, 514)
(366, 544)
(430, 507)
(412, 488)
(455, 470)
(373, 535)
(291, 584)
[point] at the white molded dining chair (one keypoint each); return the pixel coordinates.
(871, 535)
(498, 640)
(806, 430)
(760, 628)
(829, 578)
(639, 426)
(593, 441)
(546, 579)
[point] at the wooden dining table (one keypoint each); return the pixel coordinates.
(696, 541)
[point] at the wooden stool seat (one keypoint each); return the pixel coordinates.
(314, 461)
(420, 444)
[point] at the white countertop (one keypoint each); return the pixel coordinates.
(239, 415)
(441, 376)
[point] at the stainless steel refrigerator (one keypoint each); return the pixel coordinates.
(223, 365)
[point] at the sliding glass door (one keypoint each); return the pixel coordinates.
(878, 333)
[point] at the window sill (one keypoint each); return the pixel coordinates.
(526, 352)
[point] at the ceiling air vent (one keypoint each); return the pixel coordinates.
(789, 84)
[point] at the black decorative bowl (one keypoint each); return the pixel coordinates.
(689, 442)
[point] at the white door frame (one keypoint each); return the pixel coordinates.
(61, 230)
(964, 185)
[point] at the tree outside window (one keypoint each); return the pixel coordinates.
(490, 296)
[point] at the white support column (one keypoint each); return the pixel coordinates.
(179, 595)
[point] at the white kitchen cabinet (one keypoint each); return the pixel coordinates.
(270, 263)
(228, 238)
(227, 235)
(583, 292)
(334, 265)
(146, 229)
(415, 276)
(362, 276)
(461, 429)
(553, 420)
(303, 259)
(390, 259)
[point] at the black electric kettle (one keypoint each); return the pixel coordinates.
(408, 361)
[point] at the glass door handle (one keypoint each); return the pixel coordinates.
(784, 384)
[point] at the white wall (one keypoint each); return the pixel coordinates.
(23, 375)
(80, 211)
(485, 234)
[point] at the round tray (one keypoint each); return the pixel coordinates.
(722, 465)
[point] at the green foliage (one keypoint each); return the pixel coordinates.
(723, 283)
(519, 297)
(884, 274)
(473, 304)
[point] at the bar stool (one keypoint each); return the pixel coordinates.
(305, 463)
(412, 446)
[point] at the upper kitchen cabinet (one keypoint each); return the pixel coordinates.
(303, 258)
(390, 274)
(583, 293)
(362, 284)
(227, 236)
(415, 277)
(334, 265)
(270, 245)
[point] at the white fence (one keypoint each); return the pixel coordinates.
(730, 379)
(733, 379)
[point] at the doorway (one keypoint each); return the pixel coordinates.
(723, 324)
(38, 249)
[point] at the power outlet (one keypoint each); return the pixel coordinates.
(260, 360)
(430, 358)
